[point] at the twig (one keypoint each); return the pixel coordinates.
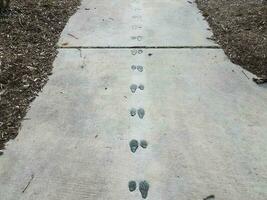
(32, 176)
(73, 36)
(245, 74)
(209, 197)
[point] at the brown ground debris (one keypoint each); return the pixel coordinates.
(240, 27)
(29, 32)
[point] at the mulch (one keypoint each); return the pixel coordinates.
(240, 27)
(29, 31)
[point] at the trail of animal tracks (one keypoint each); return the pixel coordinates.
(140, 105)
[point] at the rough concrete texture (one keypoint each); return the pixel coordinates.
(205, 122)
(136, 23)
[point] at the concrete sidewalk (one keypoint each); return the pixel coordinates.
(117, 23)
(205, 121)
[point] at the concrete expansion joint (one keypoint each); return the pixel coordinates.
(139, 47)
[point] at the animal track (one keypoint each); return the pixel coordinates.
(138, 67)
(135, 52)
(132, 186)
(133, 145)
(143, 144)
(133, 112)
(134, 87)
(141, 113)
(141, 87)
(133, 67)
(143, 188)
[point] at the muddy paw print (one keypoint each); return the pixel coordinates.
(133, 112)
(143, 144)
(134, 87)
(137, 67)
(140, 68)
(133, 145)
(141, 87)
(141, 113)
(143, 188)
(132, 186)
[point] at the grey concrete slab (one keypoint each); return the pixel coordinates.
(136, 23)
(205, 124)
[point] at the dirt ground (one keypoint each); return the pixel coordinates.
(28, 34)
(240, 27)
